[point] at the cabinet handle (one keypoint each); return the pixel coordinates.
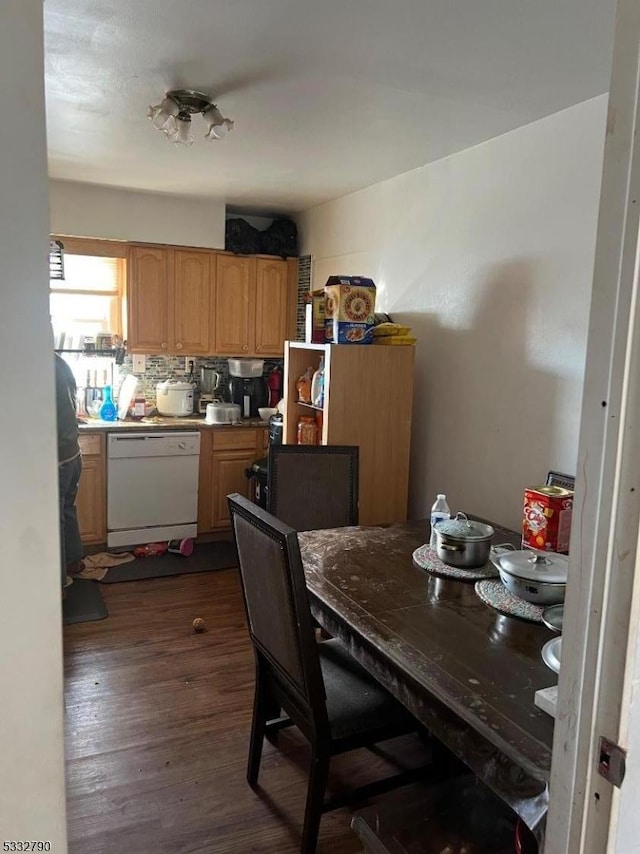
(179, 346)
(259, 348)
(245, 346)
(164, 345)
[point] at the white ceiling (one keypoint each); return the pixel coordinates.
(328, 96)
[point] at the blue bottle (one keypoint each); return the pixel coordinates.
(108, 411)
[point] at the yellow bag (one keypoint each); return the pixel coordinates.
(382, 330)
(394, 339)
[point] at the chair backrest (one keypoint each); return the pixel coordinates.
(313, 486)
(276, 603)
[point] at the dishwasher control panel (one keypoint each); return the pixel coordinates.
(174, 444)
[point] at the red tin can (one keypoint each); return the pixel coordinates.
(546, 522)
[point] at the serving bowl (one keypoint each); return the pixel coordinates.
(265, 412)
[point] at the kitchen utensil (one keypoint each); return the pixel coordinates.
(534, 576)
(553, 617)
(462, 542)
(551, 653)
(222, 413)
(126, 394)
(209, 379)
(174, 398)
(265, 412)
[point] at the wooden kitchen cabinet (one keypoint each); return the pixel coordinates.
(170, 296)
(91, 501)
(148, 300)
(225, 455)
(367, 402)
(255, 307)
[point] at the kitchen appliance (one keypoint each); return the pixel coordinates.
(209, 383)
(152, 487)
(463, 543)
(534, 576)
(222, 413)
(174, 398)
(249, 392)
(247, 386)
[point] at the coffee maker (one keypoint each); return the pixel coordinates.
(247, 386)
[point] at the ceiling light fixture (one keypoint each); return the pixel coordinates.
(173, 116)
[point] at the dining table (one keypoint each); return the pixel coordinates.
(466, 671)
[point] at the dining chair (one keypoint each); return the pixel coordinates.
(313, 486)
(322, 689)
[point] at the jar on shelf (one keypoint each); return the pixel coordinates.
(307, 430)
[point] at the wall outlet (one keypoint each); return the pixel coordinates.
(189, 362)
(139, 363)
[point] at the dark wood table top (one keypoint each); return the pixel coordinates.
(468, 672)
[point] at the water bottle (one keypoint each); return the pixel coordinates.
(108, 411)
(439, 512)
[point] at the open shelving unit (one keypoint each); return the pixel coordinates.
(368, 396)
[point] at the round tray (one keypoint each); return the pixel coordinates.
(551, 653)
(425, 558)
(496, 595)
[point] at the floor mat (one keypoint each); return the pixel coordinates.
(205, 558)
(83, 602)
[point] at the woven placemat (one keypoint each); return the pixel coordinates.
(496, 595)
(425, 558)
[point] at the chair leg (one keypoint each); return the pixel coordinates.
(318, 775)
(258, 725)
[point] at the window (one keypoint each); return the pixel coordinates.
(90, 298)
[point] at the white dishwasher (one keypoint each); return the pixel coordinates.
(152, 487)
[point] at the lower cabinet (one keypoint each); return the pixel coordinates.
(91, 502)
(225, 455)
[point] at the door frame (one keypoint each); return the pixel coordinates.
(602, 608)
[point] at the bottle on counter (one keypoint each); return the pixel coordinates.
(439, 512)
(108, 411)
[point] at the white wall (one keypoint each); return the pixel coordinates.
(87, 210)
(31, 731)
(488, 254)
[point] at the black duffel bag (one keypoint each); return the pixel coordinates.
(241, 237)
(280, 238)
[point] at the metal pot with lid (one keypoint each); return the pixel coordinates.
(462, 542)
(534, 576)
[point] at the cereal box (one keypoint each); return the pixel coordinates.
(350, 303)
(314, 318)
(546, 522)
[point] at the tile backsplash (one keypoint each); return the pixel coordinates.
(159, 368)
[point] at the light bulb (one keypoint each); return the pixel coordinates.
(161, 114)
(182, 134)
(218, 125)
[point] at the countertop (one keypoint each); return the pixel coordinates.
(160, 422)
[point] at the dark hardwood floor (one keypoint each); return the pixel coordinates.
(157, 726)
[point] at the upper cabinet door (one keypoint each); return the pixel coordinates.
(148, 300)
(272, 303)
(192, 295)
(233, 316)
